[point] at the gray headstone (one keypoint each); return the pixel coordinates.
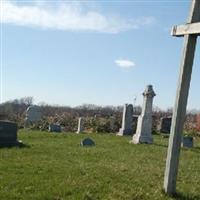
(80, 126)
(87, 142)
(33, 114)
(187, 142)
(55, 128)
(144, 126)
(165, 125)
(127, 121)
(8, 133)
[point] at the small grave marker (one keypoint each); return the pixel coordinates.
(55, 128)
(165, 125)
(87, 142)
(187, 141)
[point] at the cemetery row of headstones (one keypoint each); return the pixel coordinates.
(138, 126)
(143, 122)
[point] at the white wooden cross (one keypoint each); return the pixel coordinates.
(190, 31)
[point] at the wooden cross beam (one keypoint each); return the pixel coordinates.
(190, 31)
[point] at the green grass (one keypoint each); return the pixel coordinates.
(56, 167)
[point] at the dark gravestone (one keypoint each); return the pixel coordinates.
(87, 142)
(187, 141)
(165, 125)
(55, 128)
(135, 119)
(8, 133)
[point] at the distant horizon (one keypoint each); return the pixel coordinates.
(190, 110)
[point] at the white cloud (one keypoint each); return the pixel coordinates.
(125, 64)
(67, 17)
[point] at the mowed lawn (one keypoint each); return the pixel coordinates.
(54, 166)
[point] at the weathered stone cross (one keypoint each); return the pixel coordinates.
(190, 31)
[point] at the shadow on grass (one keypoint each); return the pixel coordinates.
(180, 196)
(160, 145)
(195, 149)
(18, 145)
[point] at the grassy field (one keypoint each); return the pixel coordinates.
(55, 167)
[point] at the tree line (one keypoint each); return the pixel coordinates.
(96, 118)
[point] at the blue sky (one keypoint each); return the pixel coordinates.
(98, 52)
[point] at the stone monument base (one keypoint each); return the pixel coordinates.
(17, 143)
(138, 139)
(123, 132)
(79, 132)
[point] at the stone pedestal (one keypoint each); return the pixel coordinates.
(144, 126)
(80, 126)
(127, 121)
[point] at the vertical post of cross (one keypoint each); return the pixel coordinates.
(181, 103)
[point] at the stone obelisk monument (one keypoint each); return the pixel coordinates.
(144, 126)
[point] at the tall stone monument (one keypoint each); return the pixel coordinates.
(80, 125)
(127, 121)
(144, 126)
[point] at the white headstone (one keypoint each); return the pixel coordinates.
(144, 126)
(80, 125)
(33, 114)
(127, 121)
